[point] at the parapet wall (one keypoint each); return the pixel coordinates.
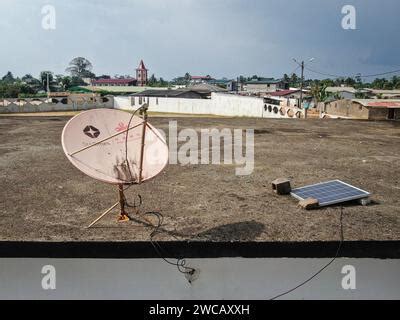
(220, 104)
(54, 104)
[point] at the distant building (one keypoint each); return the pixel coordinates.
(263, 85)
(290, 97)
(141, 74)
(87, 81)
(230, 85)
(197, 91)
(200, 79)
(205, 89)
(385, 94)
(366, 109)
(295, 93)
(114, 82)
(141, 79)
(168, 93)
(347, 92)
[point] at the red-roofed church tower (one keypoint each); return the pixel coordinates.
(141, 74)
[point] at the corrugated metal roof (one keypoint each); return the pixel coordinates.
(117, 81)
(378, 103)
(205, 87)
(200, 77)
(341, 89)
(164, 93)
(263, 81)
(283, 93)
(379, 91)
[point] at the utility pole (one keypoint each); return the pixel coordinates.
(301, 89)
(302, 83)
(48, 85)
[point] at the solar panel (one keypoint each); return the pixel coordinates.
(330, 192)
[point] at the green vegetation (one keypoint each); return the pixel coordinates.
(80, 68)
(380, 83)
(183, 80)
(154, 82)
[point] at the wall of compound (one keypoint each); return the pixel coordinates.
(220, 104)
(29, 105)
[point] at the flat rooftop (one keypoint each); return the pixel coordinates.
(45, 198)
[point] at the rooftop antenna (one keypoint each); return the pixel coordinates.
(115, 147)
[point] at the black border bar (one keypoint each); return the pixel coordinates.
(197, 249)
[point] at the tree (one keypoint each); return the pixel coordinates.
(395, 81)
(27, 78)
(152, 80)
(187, 76)
(350, 82)
(80, 67)
(162, 83)
(43, 80)
(104, 76)
(8, 78)
(64, 82)
(328, 82)
(381, 84)
(319, 92)
(32, 82)
(286, 79)
(76, 81)
(294, 80)
(14, 90)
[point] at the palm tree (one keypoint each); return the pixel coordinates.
(319, 92)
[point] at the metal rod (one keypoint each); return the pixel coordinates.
(142, 145)
(156, 133)
(103, 214)
(121, 199)
(105, 139)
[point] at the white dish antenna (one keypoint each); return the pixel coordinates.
(115, 147)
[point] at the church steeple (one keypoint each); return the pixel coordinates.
(141, 74)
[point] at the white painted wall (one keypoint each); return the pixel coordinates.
(219, 278)
(43, 105)
(220, 104)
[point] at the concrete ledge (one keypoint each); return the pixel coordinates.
(173, 249)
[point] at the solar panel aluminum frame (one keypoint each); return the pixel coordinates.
(366, 193)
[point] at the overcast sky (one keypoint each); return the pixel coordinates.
(223, 38)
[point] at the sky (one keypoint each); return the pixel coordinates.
(222, 38)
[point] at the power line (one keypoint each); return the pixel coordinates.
(293, 72)
(352, 76)
(325, 74)
(381, 74)
(325, 266)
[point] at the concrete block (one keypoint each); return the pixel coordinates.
(309, 203)
(365, 201)
(281, 186)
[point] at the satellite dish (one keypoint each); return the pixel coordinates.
(95, 142)
(115, 147)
